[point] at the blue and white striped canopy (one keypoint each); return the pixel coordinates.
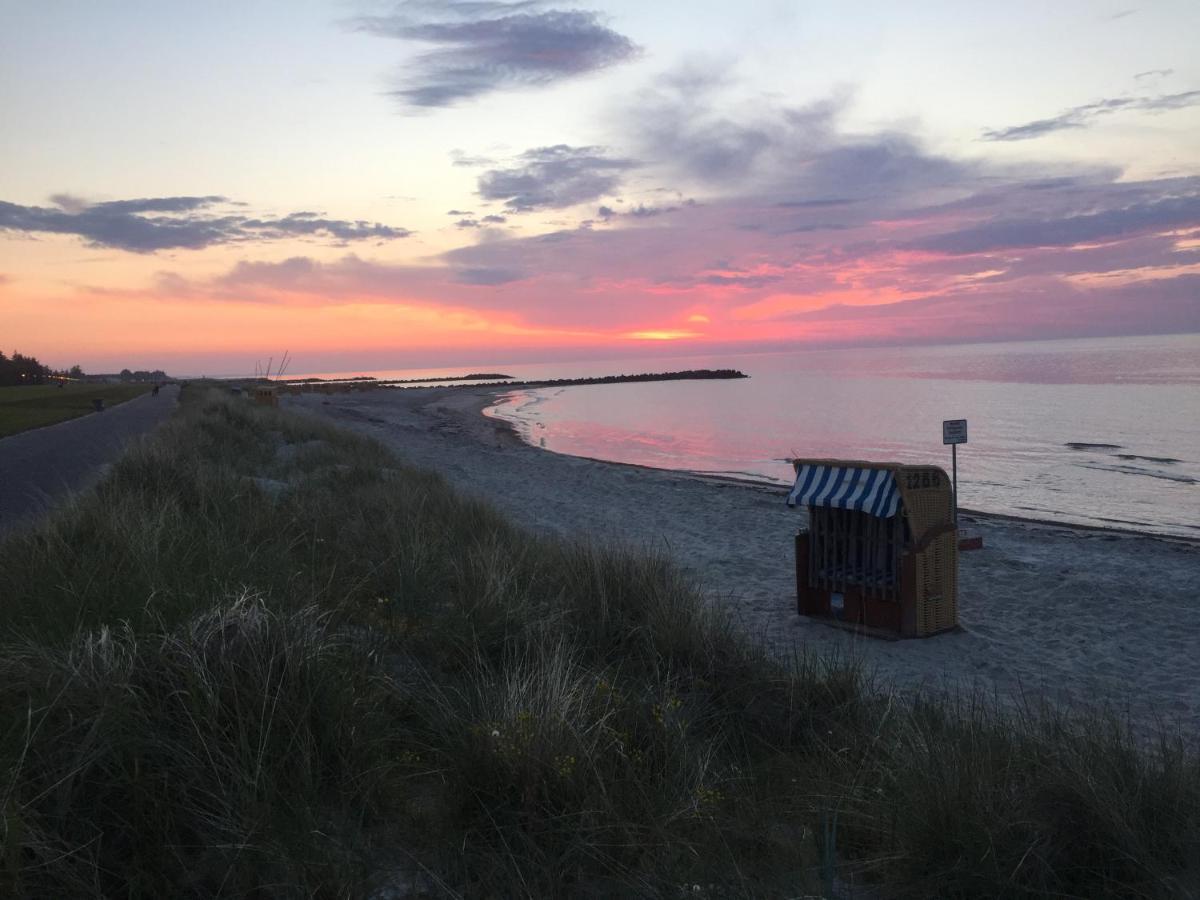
(872, 491)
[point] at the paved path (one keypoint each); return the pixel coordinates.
(38, 467)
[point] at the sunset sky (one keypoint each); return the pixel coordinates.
(194, 186)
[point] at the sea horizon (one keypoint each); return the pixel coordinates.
(1099, 432)
(1103, 432)
(532, 368)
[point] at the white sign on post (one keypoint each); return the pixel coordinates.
(954, 431)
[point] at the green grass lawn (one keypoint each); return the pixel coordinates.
(32, 406)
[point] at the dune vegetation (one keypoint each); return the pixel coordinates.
(264, 657)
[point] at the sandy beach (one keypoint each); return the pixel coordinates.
(1081, 615)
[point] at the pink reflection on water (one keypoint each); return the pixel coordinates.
(1040, 417)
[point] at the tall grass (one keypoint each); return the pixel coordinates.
(213, 758)
(266, 658)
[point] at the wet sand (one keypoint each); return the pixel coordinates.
(1082, 615)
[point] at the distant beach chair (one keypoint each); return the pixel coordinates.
(880, 553)
(266, 395)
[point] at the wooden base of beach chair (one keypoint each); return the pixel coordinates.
(916, 609)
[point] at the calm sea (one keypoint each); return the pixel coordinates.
(1098, 431)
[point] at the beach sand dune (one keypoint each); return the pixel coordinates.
(1083, 616)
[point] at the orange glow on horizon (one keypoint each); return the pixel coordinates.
(664, 335)
(67, 306)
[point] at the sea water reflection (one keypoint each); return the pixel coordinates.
(1100, 432)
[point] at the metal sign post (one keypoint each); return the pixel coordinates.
(954, 432)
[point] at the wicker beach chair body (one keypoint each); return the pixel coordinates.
(884, 567)
(267, 395)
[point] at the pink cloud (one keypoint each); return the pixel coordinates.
(806, 233)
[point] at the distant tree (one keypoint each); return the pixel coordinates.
(21, 369)
(143, 375)
(75, 372)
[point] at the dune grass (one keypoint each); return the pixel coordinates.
(35, 405)
(266, 658)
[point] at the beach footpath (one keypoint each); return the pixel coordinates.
(41, 466)
(1073, 614)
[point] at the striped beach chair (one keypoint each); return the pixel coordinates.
(880, 553)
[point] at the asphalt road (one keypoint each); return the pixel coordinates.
(40, 467)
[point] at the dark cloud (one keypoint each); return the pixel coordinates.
(553, 178)
(489, 46)
(879, 165)
(816, 203)
(1167, 101)
(312, 224)
(1153, 73)
(153, 204)
(1039, 311)
(641, 211)
(675, 122)
(695, 124)
(458, 158)
(1111, 224)
(459, 212)
(487, 275)
(72, 204)
(743, 280)
(170, 223)
(469, 221)
(1136, 254)
(1082, 116)
(685, 122)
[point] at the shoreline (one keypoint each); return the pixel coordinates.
(489, 396)
(1079, 616)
